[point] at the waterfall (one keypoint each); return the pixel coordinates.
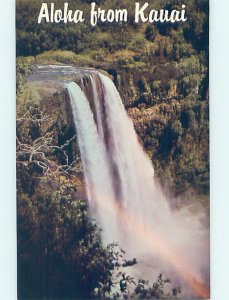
(124, 196)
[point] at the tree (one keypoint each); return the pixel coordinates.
(60, 252)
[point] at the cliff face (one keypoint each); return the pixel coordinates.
(53, 100)
(151, 81)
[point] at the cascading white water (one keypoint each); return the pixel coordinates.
(123, 194)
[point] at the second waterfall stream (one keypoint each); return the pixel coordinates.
(124, 196)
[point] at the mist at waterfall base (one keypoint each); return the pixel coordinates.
(125, 198)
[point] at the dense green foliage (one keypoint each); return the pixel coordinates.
(23, 69)
(33, 39)
(177, 141)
